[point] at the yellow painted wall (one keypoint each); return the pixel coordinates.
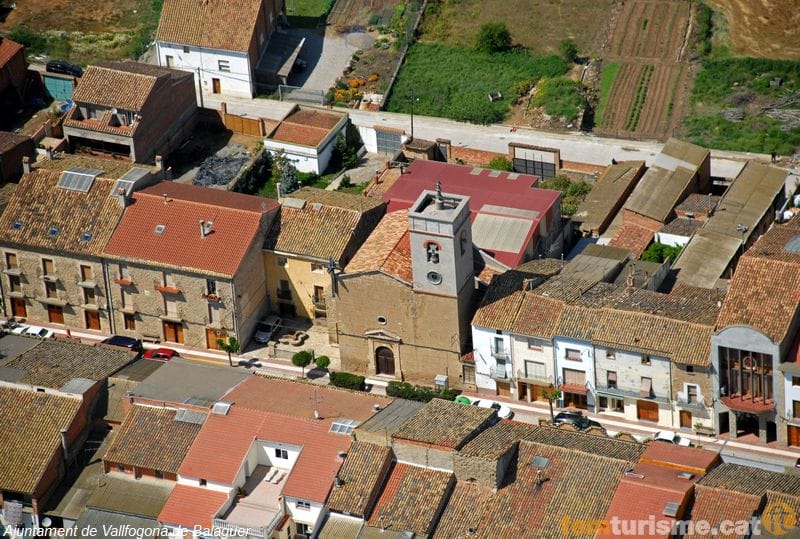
(301, 282)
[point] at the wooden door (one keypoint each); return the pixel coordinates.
(215, 86)
(793, 438)
(92, 320)
(179, 333)
(523, 391)
(170, 331)
(503, 389)
(384, 361)
(56, 314)
(647, 410)
(18, 308)
(686, 419)
(212, 335)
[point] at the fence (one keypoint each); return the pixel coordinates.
(245, 126)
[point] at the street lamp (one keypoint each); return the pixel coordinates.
(412, 100)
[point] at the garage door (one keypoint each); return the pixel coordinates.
(504, 389)
(647, 410)
(388, 141)
(793, 436)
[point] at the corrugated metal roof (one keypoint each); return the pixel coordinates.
(498, 233)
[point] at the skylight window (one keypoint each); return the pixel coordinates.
(86, 237)
(16, 225)
(160, 229)
(53, 231)
(343, 426)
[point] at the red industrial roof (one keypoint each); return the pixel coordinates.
(484, 187)
(224, 441)
(192, 506)
(691, 459)
(180, 208)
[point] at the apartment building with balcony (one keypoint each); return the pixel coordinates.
(54, 229)
(185, 265)
(315, 233)
(754, 349)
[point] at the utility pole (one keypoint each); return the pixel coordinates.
(412, 99)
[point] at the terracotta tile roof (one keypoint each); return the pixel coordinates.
(411, 498)
(152, 438)
(445, 424)
(299, 134)
(102, 125)
(715, 505)
(192, 506)
(492, 443)
(632, 237)
(764, 294)
(123, 85)
(775, 509)
(270, 394)
(328, 226)
(527, 509)
(216, 24)
(237, 223)
(687, 303)
(539, 316)
(387, 249)
(30, 438)
(690, 459)
(9, 141)
(223, 442)
(698, 204)
(53, 363)
(112, 168)
(363, 472)
(314, 118)
(39, 205)
(748, 480)
(587, 443)
(8, 49)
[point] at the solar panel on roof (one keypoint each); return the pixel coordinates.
(671, 509)
(793, 245)
(78, 179)
(343, 426)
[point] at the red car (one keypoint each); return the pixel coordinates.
(160, 354)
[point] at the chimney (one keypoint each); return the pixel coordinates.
(168, 173)
(160, 163)
(278, 190)
(64, 446)
(202, 228)
(630, 282)
(167, 200)
(26, 164)
(49, 152)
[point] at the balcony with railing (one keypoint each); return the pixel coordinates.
(613, 390)
(501, 352)
(12, 270)
(533, 377)
(258, 512)
(500, 372)
(690, 401)
(284, 293)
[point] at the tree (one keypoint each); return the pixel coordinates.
(493, 37)
(302, 359)
(568, 51)
(322, 362)
(552, 394)
(501, 163)
(284, 171)
(231, 346)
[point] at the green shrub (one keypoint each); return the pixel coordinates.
(501, 163)
(35, 42)
(573, 193)
(405, 390)
(568, 51)
(348, 381)
(659, 252)
(322, 362)
(493, 37)
(560, 97)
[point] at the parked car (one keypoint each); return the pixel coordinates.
(134, 345)
(671, 438)
(160, 354)
(19, 329)
(503, 411)
(576, 418)
(65, 68)
(33, 331)
(266, 328)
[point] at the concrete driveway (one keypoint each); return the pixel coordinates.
(326, 56)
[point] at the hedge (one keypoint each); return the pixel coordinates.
(419, 393)
(348, 381)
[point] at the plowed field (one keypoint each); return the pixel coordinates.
(648, 42)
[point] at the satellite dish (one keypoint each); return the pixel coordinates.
(46, 522)
(113, 110)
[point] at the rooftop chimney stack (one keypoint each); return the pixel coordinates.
(160, 163)
(26, 164)
(64, 445)
(202, 228)
(49, 153)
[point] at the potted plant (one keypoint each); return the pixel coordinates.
(240, 492)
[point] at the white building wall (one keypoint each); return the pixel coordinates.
(210, 485)
(369, 137)
(310, 516)
(673, 240)
(586, 363)
(791, 392)
(534, 350)
(237, 82)
(267, 455)
(483, 340)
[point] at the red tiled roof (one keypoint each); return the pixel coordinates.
(271, 395)
(8, 49)
(485, 188)
(192, 506)
(237, 222)
(299, 134)
(217, 24)
(691, 459)
(387, 249)
(223, 442)
(714, 505)
(633, 237)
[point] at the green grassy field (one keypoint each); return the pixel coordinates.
(455, 82)
(606, 83)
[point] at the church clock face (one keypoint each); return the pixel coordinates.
(435, 277)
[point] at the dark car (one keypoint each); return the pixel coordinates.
(65, 68)
(134, 345)
(579, 420)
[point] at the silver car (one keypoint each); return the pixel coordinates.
(266, 328)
